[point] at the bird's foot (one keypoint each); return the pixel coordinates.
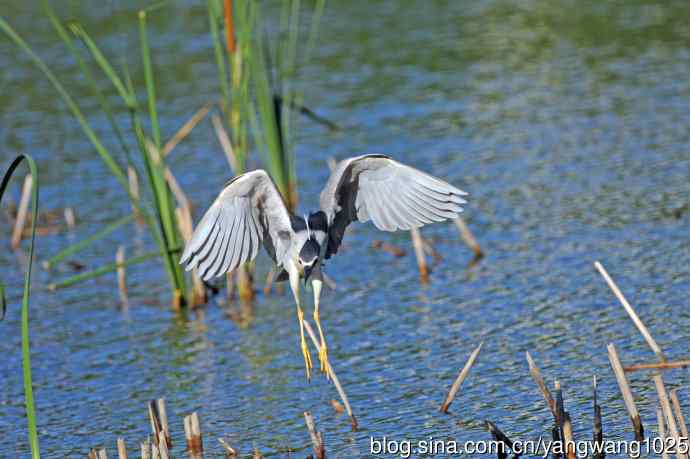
(323, 360)
(307, 359)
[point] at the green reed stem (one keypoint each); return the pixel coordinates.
(74, 248)
(102, 270)
(26, 352)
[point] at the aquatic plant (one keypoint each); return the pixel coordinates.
(26, 351)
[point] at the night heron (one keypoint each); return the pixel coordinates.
(250, 211)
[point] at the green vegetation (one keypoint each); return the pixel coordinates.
(26, 353)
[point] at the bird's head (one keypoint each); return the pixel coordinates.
(309, 256)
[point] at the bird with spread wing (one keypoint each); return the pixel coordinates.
(250, 211)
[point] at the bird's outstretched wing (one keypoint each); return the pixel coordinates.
(248, 211)
(390, 194)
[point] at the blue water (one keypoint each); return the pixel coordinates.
(567, 122)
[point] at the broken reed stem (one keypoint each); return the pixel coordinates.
(418, 245)
(499, 436)
(163, 446)
(679, 414)
(597, 432)
(22, 212)
(316, 437)
(133, 182)
(662, 431)
(631, 312)
(333, 376)
(461, 377)
(468, 237)
(146, 449)
(121, 449)
(568, 436)
(121, 277)
(70, 219)
(185, 129)
(626, 392)
(225, 143)
(539, 381)
(657, 366)
(668, 412)
(163, 417)
(192, 431)
(229, 450)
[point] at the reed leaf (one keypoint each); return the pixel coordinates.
(77, 247)
(26, 352)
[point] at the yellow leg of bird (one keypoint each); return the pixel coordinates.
(303, 342)
(294, 285)
(317, 283)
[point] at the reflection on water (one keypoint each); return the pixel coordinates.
(567, 123)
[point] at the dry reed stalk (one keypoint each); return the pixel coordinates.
(225, 143)
(121, 277)
(662, 431)
(388, 248)
(668, 412)
(418, 245)
(121, 449)
(230, 452)
(568, 437)
(316, 437)
(146, 449)
(333, 376)
(184, 223)
(539, 381)
(499, 436)
(22, 212)
(163, 417)
(468, 237)
(70, 219)
(163, 446)
(192, 431)
(631, 312)
(337, 406)
(597, 432)
(185, 130)
(560, 418)
(626, 392)
(657, 366)
(679, 413)
(175, 187)
(133, 181)
(459, 380)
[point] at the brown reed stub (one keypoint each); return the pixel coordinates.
(316, 437)
(121, 449)
(624, 387)
(668, 412)
(597, 431)
(146, 449)
(257, 454)
(679, 414)
(661, 423)
(461, 377)
(504, 442)
(539, 381)
(192, 431)
(230, 452)
(568, 436)
(337, 407)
